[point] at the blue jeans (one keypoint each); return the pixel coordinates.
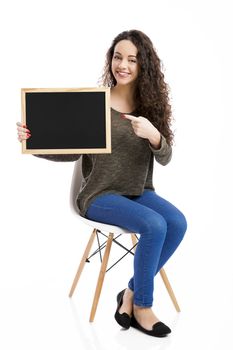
(161, 227)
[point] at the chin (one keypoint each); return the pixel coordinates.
(124, 83)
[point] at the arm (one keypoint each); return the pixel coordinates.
(162, 155)
(59, 157)
(157, 142)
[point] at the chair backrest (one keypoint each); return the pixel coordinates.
(74, 191)
(76, 184)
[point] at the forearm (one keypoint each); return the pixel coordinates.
(163, 154)
(155, 139)
(59, 157)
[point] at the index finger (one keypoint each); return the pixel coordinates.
(129, 117)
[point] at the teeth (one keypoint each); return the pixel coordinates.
(123, 74)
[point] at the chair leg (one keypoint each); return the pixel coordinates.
(134, 241)
(82, 262)
(101, 277)
(169, 289)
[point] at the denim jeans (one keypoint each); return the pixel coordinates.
(161, 227)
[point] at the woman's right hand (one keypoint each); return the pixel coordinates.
(23, 132)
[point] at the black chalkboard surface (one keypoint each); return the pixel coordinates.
(67, 120)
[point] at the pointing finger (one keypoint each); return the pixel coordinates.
(129, 117)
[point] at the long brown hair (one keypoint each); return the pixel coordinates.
(151, 93)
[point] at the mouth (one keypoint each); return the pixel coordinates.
(123, 74)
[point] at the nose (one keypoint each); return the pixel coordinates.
(123, 64)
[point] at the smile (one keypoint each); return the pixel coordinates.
(123, 74)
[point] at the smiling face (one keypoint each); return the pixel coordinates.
(125, 65)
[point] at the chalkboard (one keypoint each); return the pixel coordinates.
(67, 121)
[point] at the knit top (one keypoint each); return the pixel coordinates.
(127, 170)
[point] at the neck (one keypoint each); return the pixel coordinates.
(125, 93)
(125, 90)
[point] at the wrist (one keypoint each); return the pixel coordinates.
(155, 140)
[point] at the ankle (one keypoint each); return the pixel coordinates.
(128, 293)
(139, 309)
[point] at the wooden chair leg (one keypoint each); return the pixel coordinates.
(134, 241)
(169, 289)
(82, 262)
(101, 277)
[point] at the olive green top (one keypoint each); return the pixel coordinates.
(128, 170)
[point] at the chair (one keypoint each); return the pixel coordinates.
(111, 232)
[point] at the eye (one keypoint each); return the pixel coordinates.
(132, 61)
(116, 57)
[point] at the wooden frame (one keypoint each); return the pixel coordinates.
(66, 120)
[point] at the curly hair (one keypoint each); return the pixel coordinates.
(151, 96)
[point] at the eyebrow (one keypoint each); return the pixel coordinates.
(128, 55)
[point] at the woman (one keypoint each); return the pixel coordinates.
(118, 187)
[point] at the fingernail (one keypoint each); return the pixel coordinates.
(122, 116)
(28, 135)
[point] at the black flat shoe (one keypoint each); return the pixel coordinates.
(159, 329)
(122, 319)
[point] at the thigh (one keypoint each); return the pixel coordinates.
(159, 205)
(121, 211)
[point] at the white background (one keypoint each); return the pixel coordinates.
(63, 44)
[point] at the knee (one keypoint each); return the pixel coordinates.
(156, 226)
(179, 225)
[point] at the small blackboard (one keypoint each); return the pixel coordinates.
(67, 121)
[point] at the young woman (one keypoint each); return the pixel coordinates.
(118, 187)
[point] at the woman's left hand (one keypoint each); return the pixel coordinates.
(142, 127)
